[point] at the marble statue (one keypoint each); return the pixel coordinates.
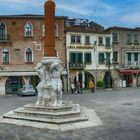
(41, 70)
(56, 82)
(50, 86)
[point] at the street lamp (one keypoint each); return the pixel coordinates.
(108, 74)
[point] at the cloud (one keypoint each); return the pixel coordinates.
(107, 12)
(86, 8)
(133, 18)
(15, 1)
(21, 6)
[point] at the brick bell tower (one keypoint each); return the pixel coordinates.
(49, 9)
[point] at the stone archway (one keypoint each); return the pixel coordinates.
(13, 83)
(88, 77)
(83, 77)
(2, 84)
(108, 81)
(34, 80)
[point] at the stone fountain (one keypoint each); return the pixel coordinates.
(50, 111)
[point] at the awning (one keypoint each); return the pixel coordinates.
(129, 71)
(18, 73)
(23, 73)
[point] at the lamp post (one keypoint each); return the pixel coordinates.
(108, 76)
(68, 69)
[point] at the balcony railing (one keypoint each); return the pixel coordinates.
(107, 46)
(132, 64)
(77, 66)
(4, 37)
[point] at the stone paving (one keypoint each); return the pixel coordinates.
(118, 110)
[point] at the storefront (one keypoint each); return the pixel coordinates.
(11, 81)
(131, 77)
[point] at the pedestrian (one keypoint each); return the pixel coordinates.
(91, 86)
(78, 88)
(72, 88)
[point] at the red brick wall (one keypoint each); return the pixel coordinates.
(15, 28)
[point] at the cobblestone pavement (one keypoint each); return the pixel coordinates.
(119, 111)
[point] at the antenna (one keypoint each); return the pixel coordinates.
(93, 14)
(94, 10)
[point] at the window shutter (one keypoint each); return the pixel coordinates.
(90, 58)
(129, 56)
(85, 55)
(82, 58)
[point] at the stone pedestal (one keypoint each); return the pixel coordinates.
(67, 117)
(67, 113)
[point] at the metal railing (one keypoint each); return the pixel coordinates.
(77, 66)
(132, 64)
(4, 37)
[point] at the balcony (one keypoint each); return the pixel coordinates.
(4, 38)
(77, 66)
(134, 64)
(107, 46)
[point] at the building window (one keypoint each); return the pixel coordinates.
(29, 55)
(115, 57)
(115, 37)
(87, 39)
(76, 59)
(129, 57)
(78, 39)
(75, 39)
(2, 32)
(135, 38)
(88, 59)
(28, 30)
(107, 56)
(129, 38)
(136, 57)
(72, 58)
(107, 42)
(56, 30)
(101, 58)
(5, 54)
(100, 40)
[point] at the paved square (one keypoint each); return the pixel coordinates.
(118, 110)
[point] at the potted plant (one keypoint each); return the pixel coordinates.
(100, 84)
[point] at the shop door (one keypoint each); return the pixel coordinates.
(128, 79)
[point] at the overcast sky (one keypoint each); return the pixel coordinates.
(105, 12)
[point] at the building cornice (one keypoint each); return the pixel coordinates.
(27, 16)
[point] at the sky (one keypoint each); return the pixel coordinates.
(108, 13)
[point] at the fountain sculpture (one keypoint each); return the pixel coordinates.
(50, 111)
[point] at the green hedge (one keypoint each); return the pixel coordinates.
(100, 84)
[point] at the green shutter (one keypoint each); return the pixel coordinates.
(82, 58)
(108, 41)
(70, 58)
(76, 58)
(85, 56)
(129, 56)
(90, 58)
(135, 56)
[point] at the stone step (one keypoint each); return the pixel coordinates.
(23, 112)
(82, 117)
(34, 107)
